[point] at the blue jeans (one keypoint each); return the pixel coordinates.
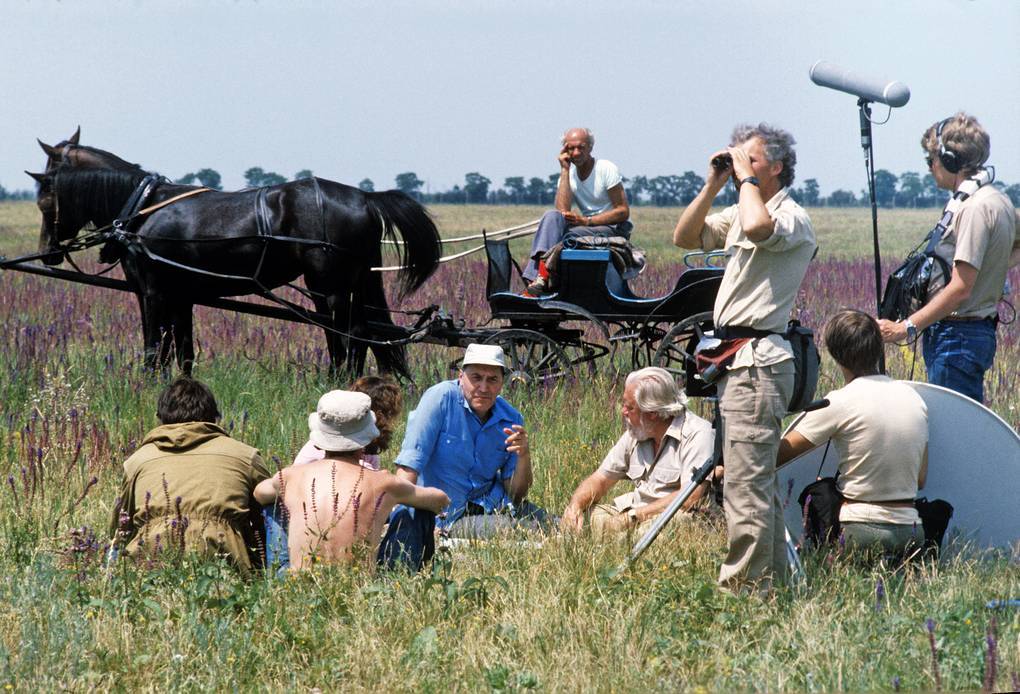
(553, 229)
(277, 554)
(957, 354)
(410, 539)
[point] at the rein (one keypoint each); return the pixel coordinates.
(153, 208)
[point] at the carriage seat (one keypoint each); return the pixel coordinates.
(587, 278)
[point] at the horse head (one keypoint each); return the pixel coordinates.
(70, 198)
(59, 222)
(46, 200)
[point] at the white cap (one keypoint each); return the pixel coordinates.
(485, 355)
(343, 421)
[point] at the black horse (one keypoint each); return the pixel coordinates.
(215, 244)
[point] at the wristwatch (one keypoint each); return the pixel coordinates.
(588, 218)
(753, 180)
(632, 516)
(911, 330)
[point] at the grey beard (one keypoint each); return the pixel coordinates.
(638, 433)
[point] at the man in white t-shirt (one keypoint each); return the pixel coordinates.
(595, 186)
(879, 431)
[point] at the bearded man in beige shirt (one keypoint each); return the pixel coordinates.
(770, 242)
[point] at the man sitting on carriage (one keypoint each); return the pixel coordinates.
(596, 187)
(468, 441)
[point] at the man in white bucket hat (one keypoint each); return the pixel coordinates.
(468, 441)
(336, 506)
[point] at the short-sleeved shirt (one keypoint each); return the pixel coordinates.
(982, 234)
(592, 194)
(687, 444)
(452, 449)
(879, 429)
(762, 278)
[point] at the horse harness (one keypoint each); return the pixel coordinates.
(120, 230)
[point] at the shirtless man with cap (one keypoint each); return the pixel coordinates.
(337, 506)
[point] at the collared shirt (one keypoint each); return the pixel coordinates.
(982, 234)
(687, 444)
(452, 449)
(762, 278)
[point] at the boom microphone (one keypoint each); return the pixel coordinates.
(825, 74)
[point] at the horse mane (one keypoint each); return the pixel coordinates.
(111, 160)
(93, 195)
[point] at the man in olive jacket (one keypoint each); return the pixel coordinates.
(189, 487)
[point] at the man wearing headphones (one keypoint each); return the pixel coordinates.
(980, 242)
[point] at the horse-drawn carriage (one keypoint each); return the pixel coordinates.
(184, 245)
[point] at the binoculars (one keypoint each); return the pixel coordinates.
(722, 161)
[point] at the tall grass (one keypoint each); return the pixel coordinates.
(75, 401)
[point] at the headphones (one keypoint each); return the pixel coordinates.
(950, 159)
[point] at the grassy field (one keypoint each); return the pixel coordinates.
(74, 401)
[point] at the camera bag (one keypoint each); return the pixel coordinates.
(923, 274)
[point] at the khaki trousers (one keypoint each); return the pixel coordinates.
(753, 401)
(601, 514)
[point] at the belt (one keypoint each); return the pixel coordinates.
(970, 319)
(900, 503)
(733, 332)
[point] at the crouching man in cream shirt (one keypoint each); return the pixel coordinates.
(879, 430)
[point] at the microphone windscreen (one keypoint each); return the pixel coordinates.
(826, 74)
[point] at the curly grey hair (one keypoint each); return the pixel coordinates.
(778, 146)
(656, 392)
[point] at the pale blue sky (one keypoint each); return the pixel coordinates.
(371, 89)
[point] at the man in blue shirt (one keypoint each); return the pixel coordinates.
(468, 441)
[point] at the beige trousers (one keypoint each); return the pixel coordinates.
(753, 401)
(600, 514)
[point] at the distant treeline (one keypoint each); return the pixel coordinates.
(909, 189)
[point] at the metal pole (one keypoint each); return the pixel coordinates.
(700, 475)
(867, 144)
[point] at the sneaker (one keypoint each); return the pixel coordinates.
(538, 287)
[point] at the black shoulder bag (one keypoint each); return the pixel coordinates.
(821, 501)
(923, 274)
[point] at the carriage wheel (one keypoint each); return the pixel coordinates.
(677, 347)
(531, 357)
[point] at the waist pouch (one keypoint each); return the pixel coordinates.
(712, 363)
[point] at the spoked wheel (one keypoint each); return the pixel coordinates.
(640, 340)
(677, 347)
(531, 358)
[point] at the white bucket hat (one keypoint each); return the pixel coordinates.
(485, 355)
(343, 421)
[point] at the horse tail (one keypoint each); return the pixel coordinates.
(421, 250)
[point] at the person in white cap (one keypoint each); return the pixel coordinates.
(468, 441)
(336, 506)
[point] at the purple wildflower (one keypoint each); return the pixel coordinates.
(356, 504)
(879, 594)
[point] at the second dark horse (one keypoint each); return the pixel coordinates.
(242, 243)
